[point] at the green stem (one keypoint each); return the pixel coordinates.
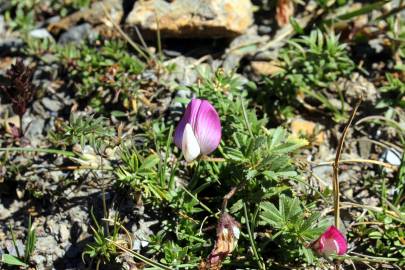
(163, 166)
(245, 117)
(252, 242)
(193, 178)
(195, 198)
(105, 210)
(14, 241)
(172, 178)
(40, 150)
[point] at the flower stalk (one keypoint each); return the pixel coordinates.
(336, 190)
(19, 89)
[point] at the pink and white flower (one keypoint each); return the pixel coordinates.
(199, 130)
(332, 241)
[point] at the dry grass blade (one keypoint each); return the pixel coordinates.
(369, 161)
(140, 257)
(135, 46)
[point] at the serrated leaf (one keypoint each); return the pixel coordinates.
(271, 214)
(236, 206)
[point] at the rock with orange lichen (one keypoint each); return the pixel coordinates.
(308, 129)
(191, 18)
(265, 68)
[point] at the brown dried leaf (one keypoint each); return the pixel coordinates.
(284, 10)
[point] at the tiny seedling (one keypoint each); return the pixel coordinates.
(29, 247)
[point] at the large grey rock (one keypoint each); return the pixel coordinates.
(192, 18)
(40, 33)
(76, 34)
(95, 15)
(52, 104)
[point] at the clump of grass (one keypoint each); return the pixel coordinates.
(393, 92)
(21, 259)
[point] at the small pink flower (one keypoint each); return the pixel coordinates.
(199, 130)
(332, 241)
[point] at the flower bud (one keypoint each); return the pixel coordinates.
(199, 130)
(332, 241)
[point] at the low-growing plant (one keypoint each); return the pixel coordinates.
(103, 249)
(294, 227)
(104, 75)
(255, 161)
(393, 92)
(83, 130)
(309, 64)
(29, 248)
(21, 15)
(140, 173)
(37, 48)
(382, 232)
(66, 7)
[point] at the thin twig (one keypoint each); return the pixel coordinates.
(367, 258)
(336, 167)
(227, 197)
(113, 222)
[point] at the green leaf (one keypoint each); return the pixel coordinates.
(375, 235)
(297, 28)
(277, 137)
(150, 162)
(271, 214)
(234, 154)
(363, 10)
(119, 114)
(11, 260)
(236, 206)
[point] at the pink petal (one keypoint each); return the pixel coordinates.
(332, 241)
(332, 234)
(189, 117)
(207, 128)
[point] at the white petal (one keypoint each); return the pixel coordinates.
(236, 232)
(336, 246)
(190, 147)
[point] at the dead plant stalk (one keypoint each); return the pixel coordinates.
(339, 150)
